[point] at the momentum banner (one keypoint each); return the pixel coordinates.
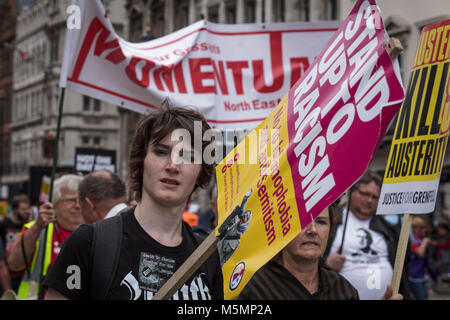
(417, 152)
(235, 74)
(311, 149)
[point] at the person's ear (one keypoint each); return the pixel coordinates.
(89, 202)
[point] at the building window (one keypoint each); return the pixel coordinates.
(181, 14)
(85, 140)
(91, 104)
(86, 104)
(96, 141)
(97, 105)
(213, 14)
(157, 18)
(230, 10)
(304, 10)
(198, 10)
(278, 10)
(54, 47)
(250, 11)
(331, 9)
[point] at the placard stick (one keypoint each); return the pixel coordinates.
(195, 260)
(394, 47)
(401, 251)
(207, 247)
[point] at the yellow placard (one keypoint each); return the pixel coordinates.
(257, 170)
(419, 143)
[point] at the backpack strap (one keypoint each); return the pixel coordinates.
(105, 254)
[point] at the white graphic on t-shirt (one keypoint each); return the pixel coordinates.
(154, 271)
(367, 265)
(195, 290)
(364, 250)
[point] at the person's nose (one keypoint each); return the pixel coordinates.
(311, 228)
(173, 163)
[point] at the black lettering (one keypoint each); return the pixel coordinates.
(406, 162)
(419, 157)
(423, 128)
(404, 117)
(416, 143)
(441, 158)
(436, 126)
(433, 161)
(398, 162)
(390, 172)
(427, 157)
(418, 102)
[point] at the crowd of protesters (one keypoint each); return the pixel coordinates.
(149, 225)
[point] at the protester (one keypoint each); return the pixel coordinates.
(102, 195)
(154, 240)
(191, 213)
(420, 253)
(5, 283)
(11, 227)
(208, 220)
(370, 244)
(12, 224)
(295, 272)
(442, 254)
(191, 218)
(30, 250)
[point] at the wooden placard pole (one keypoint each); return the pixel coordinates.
(195, 260)
(394, 48)
(207, 247)
(401, 251)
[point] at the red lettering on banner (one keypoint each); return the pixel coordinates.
(265, 104)
(198, 75)
(298, 67)
(220, 76)
(240, 106)
(276, 60)
(164, 72)
(207, 75)
(236, 69)
(130, 71)
(179, 78)
(101, 45)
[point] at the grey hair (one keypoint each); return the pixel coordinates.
(68, 182)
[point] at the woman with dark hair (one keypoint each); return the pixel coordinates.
(155, 242)
(297, 274)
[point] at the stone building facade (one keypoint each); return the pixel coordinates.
(86, 122)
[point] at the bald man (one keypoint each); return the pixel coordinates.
(102, 195)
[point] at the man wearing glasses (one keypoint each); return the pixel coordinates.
(369, 270)
(37, 247)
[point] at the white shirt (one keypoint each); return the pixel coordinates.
(114, 210)
(366, 265)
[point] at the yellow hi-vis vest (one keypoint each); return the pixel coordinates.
(39, 266)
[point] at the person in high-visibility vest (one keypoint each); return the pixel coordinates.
(40, 241)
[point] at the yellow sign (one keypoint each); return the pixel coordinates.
(417, 153)
(273, 217)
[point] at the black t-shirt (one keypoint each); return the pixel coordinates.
(9, 231)
(2, 250)
(144, 266)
